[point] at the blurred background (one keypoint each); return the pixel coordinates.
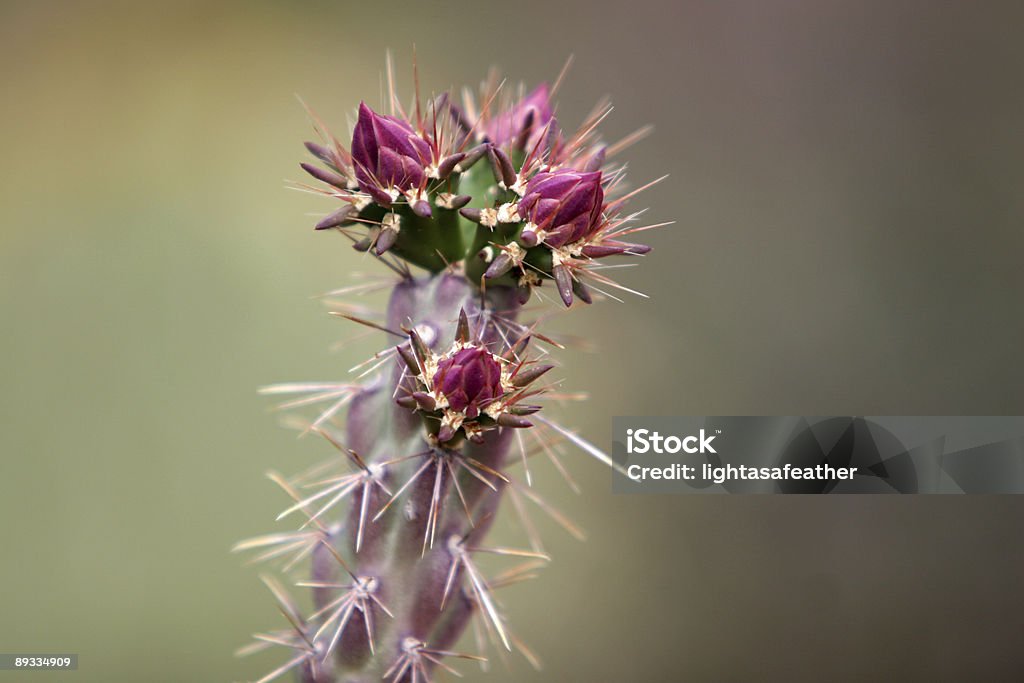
(846, 180)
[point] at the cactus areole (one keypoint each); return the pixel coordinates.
(475, 208)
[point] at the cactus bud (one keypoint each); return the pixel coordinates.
(561, 207)
(523, 124)
(387, 152)
(470, 380)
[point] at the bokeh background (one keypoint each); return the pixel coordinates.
(846, 180)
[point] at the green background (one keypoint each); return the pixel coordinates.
(846, 177)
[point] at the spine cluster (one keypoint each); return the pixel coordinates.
(473, 207)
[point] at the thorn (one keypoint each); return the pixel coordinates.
(445, 434)
(472, 156)
(424, 400)
(526, 375)
(581, 292)
(446, 167)
(379, 196)
(596, 160)
(504, 172)
(602, 250)
(422, 209)
(552, 136)
(410, 360)
(517, 349)
(462, 331)
(470, 214)
(528, 238)
(459, 201)
(385, 240)
(499, 266)
(419, 348)
(523, 293)
(325, 176)
(514, 421)
(523, 410)
(320, 152)
(564, 281)
(524, 133)
(336, 218)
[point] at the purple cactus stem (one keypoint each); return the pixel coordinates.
(565, 204)
(387, 152)
(469, 380)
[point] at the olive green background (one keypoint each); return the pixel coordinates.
(846, 180)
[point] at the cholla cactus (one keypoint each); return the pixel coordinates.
(492, 200)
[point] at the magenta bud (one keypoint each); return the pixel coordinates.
(339, 217)
(387, 152)
(524, 123)
(470, 380)
(406, 402)
(565, 204)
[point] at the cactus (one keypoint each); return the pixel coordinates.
(489, 200)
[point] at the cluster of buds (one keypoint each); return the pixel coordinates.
(546, 205)
(492, 199)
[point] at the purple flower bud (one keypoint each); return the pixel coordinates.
(469, 380)
(524, 122)
(565, 204)
(387, 152)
